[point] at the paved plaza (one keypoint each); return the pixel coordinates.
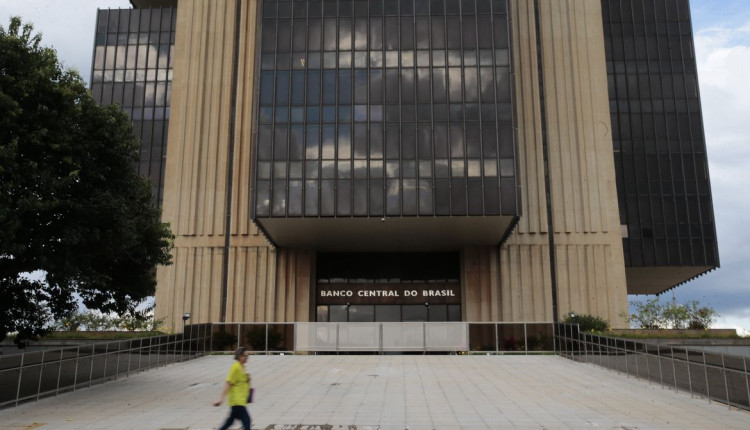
(382, 392)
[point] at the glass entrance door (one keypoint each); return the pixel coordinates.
(388, 313)
(388, 287)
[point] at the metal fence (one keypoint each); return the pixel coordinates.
(31, 376)
(377, 337)
(721, 377)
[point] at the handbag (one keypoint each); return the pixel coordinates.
(250, 395)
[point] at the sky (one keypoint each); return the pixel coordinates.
(722, 43)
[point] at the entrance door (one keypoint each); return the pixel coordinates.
(388, 313)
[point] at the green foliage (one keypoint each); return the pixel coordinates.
(652, 315)
(588, 323)
(96, 321)
(648, 315)
(700, 317)
(72, 207)
(676, 316)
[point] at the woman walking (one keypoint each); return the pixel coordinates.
(238, 389)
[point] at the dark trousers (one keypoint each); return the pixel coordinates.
(238, 413)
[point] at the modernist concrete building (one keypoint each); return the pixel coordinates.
(415, 160)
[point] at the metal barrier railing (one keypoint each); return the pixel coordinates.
(34, 375)
(490, 337)
(31, 376)
(720, 377)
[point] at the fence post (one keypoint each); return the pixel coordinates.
(140, 353)
(91, 359)
(266, 348)
(106, 357)
(151, 350)
(190, 342)
(585, 348)
(747, 383)
(117, 366)
(424, 338)
(648, 366)
(497, 339)
(674, 370)
(661, 374)
(59, 372)
(41, 369)
(380, 338)
(20, 377)
(75, 375)
(726, 384)
(705, 373)
(690, 378)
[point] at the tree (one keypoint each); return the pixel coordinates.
(648, 315)
(72, 206)
(653, 315)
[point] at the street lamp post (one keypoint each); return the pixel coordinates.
(185, 317)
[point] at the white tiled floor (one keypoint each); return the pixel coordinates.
(383, 392)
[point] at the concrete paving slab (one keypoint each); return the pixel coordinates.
(390, 392)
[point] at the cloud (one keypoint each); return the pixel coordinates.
(66, 26)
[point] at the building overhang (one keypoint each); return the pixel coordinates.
(145, 4)
(656, 280)
(404, 234)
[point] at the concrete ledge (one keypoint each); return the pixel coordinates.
(670, 332)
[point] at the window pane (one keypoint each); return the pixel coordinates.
(360, 34)
(376, 34)
(387, 313)
(345, 34)
(345, 86)
(361, 313)
(414, 313)
(329, 87)
(376, 86)
(313, 87)
(298, 88)
(338, 313)
(344, 142)
(391, 33)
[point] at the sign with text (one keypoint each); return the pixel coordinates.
(388, 294)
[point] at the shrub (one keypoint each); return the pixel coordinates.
(648, 315)
(700, 317)
(589, 323)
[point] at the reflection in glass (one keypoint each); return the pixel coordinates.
(374, 80)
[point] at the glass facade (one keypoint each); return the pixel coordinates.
(401, 279)
(384, 108)
(660, 151)
(132, 67)
(388, 313)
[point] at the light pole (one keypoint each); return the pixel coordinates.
(185, 317)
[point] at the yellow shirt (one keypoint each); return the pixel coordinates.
(240, 385)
